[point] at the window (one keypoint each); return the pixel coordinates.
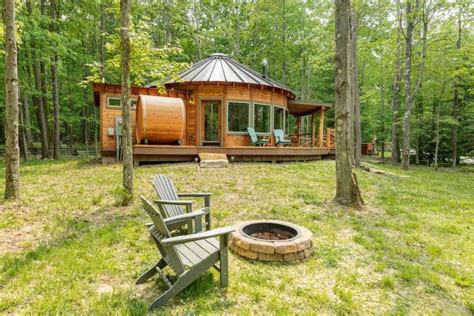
(115, 102)
(238, 116)
(278, 118)
(262, 118)
(287, 121)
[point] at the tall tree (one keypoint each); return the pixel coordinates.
(382, 111)
(12, 149)
(39, 97)
(396, 92)
(22, 141)
(410, 94)
(454, 129)
(408, 55)
(355, 92)
(102, 41)
(54, 80)
(126, 108)
(347, 189)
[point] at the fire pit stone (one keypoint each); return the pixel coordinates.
(269, 240)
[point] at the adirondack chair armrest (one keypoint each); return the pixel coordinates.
(184, 217)
(188, 204)
(194, 194)
(205, 210)
(204, 235)
(205, 195)
(173, 202)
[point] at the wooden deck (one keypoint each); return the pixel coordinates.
(166, 153)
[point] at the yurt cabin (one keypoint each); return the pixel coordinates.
(209, 108)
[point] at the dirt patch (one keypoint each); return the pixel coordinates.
(18, 240)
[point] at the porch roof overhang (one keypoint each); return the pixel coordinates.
(301, 108)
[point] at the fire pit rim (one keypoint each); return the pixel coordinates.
(294, 250)
(281, 223)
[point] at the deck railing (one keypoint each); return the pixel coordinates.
(330, 140)
(308, 140)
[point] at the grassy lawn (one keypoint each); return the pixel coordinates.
(67, 248)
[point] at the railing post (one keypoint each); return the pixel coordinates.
(328, 138)
(321, 128)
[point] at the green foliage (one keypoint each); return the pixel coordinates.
(297, 38)
(120, 195)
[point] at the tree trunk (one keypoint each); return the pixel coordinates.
(382, 111)
(44, 97)
(396, 95)
(237, 30)
(284, 65)
(126, 115)
(407, 114)
(37, 98)
(86, 128)
(27, 119)
(418, 107)
(54, 82)
(347, 189)
(96, 144)
(12, 150)
(355, 88)
(102, 41)
(436, 138)
(302, 75)
(410, 95)
(454, 129)
(22, 129)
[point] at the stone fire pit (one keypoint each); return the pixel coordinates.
(271, 241)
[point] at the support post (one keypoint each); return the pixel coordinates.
(313, 128)
(321, 128)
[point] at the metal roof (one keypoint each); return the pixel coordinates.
(301, 108)
(221, 68)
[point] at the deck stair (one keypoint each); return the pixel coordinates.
(213, 160)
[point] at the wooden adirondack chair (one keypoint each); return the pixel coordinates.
(170, 206)
(280, 137)
(189, 256)
(254, 139)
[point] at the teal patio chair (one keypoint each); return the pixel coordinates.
(254, 139)
(280, 137)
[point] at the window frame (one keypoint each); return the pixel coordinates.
(249, 118)
(283, 118)
(135, 99)
(271, 117)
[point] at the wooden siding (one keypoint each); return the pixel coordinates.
(226, 93)
(107, 120)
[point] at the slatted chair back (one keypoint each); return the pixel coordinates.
(279, 135)
(166, 190)
(160, 231)
(253, 135)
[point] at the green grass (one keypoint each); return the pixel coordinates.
(67, 247)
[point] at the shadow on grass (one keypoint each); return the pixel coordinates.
(12, 264)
